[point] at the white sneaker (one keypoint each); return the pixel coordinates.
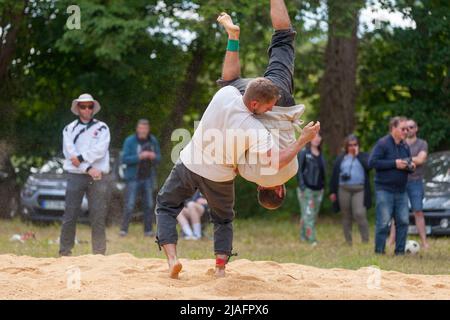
(190, 238)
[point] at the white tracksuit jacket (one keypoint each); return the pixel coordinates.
(91, 142)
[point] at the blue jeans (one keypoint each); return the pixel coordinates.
(391, 204)
(415, 191)
(133, 188)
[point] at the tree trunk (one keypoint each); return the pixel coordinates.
(338, 85)
(13, 14)
(8, 48)
(184, 97)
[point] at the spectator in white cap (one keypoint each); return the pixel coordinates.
(85, 147)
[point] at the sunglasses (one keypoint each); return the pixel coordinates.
(84, 107)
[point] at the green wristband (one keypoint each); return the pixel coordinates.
(233, 45)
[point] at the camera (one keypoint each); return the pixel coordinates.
(345, 176)
(409, 167)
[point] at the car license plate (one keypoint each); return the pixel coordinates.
(53, 205)
(413, 230)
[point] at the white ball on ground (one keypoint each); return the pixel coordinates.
(412, 247)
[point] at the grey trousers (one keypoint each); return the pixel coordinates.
(181, 185)
(96, 192)
(351, 201)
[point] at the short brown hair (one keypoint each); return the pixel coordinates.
(395, 121)
(269, 199)
(144, 122)
(262, 90)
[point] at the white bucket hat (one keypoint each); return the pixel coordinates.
(85, 97)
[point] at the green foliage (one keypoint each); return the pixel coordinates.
(132, 57)
(405, 72)
(112, 56)
(23, 165)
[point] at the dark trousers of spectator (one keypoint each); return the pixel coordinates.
(391, 205)
(134, 187)
(351, 202)
(96, 191)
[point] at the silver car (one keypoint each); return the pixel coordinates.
(436, 202)
(42, 198)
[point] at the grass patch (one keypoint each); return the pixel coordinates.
(271, 238)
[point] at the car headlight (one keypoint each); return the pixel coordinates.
(29, 190)
(446, 204)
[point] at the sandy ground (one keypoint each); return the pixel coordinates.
(124, 276)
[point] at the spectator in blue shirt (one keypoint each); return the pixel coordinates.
(141, 154)
(391, 158)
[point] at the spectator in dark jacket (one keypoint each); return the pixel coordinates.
(311, 182)
(350, 188)
(141, 154)
(391, 159)
(414, 187)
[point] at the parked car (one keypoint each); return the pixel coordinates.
(9, 189)
(43, 196)
(436, 202)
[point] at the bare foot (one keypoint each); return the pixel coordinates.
(219, 273)
(425, 246)
(233, 30)
(174, 269)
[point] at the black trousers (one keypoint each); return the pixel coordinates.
(181, 185)
(280, 69)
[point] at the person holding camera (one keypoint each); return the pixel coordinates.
(350, 188)
(391, 158)
(414, 187)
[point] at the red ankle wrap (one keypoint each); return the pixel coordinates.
(221, 262)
